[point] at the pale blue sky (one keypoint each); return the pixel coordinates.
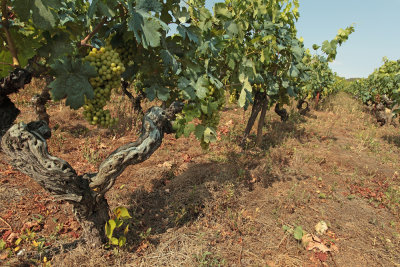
(377, 31)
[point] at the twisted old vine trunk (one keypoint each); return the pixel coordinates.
(8, 85)
(300, 106)
(26, 148)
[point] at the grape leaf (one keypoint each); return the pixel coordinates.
(189, 32)
(297, 52)
(220, 9)
(56, 46)
(109, 228)
(298, 233)
(146, 29)
(148, 5)
(122, 212)
(26, 45)
(92, 8)
(182, 15)
(245, 94)
(185, 85)
(105, 10)
(232, 28)
(293, 71)
(72, 81)
(265, 55)
(315, 46)
(201, 87)
(189, 128)
(154, 90)
(5, 57)
(327, 47)
(210, 135)
(169, 60)
(199, 131)
(43, 12)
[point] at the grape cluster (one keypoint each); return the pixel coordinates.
(127, 53)
(233, 97)
(214, 94)
(109, 68)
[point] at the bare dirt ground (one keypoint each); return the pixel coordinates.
(225, 206)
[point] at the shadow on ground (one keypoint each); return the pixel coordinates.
(392, 139)
(177, 200)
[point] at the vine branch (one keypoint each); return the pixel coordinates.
(4, 63)
(10, 41)
(96, 29)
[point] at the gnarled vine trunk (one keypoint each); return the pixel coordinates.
(40, 101)
(282, 112)
(303, 110)
(26, 148)
(256, 108)
(261, 122)
(8, 85)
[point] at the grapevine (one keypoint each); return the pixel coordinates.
(322, 80)
(380, 91)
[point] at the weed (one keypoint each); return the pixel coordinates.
(292, 192)
(336, 170)
(368, 141)
(333, 188)
(351, 197)
(121, 216)
(322, 195)
(229, 191)
(206, 259)
(276, 213)
(90, 154)
(215, 157)
(305, 196)
(79, 131)
(297, 232)
(393, 198)
(145, 235)
(59, 140)
(180, 216)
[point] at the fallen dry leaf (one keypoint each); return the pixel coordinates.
(142, 247)
(321, 256)
(311, 242)
(187, 158)
(12, 237)
(4, 256)
(307, 238)
(35, 226)
(102, 145)
(334, 247)
(6, 234)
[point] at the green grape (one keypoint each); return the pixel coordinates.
(127, 54)
(211, 90)
(109, 68)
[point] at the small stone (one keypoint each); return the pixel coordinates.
(321, 227)
(21, 253)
